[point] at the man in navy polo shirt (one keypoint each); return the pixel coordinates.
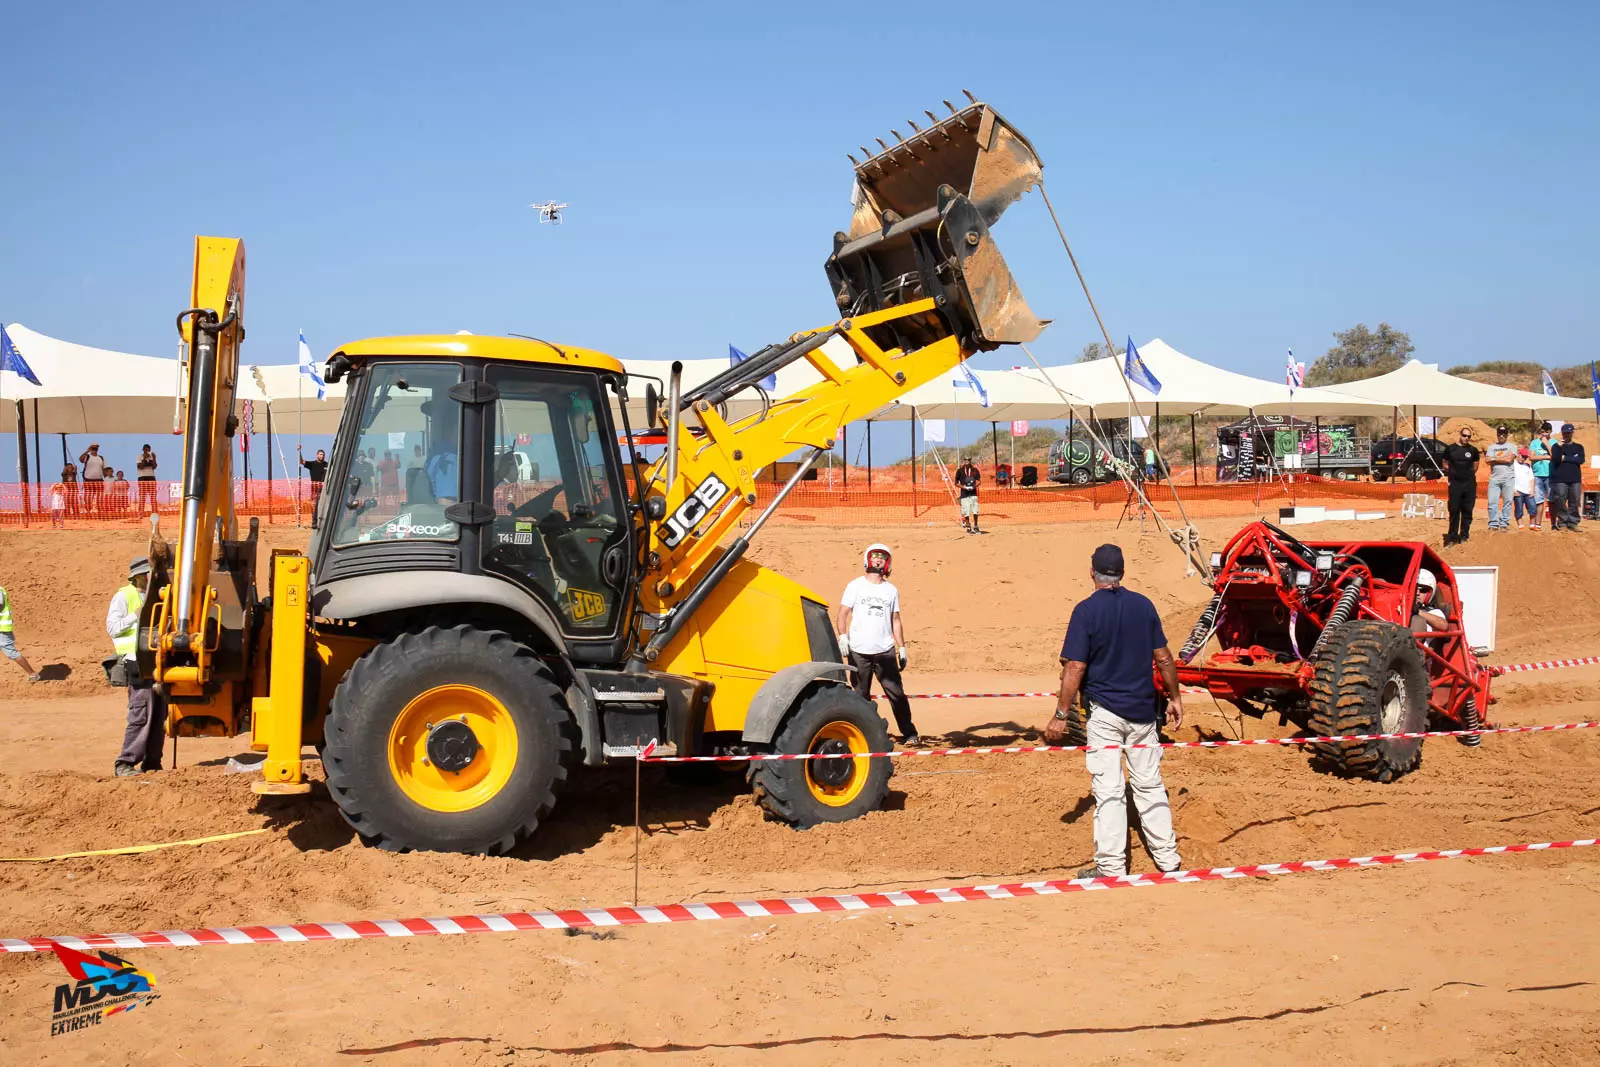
(1112, 639)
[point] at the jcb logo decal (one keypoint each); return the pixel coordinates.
(585, 605)
(691, 511)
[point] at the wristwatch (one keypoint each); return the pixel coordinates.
(1060, 715)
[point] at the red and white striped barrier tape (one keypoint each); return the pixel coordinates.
(518, 921)
(1544, 665)
(1505, 668)
(972, 696)
(648, 755)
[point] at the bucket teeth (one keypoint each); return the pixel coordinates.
(880, 141)
(949, 105)
(968, 94)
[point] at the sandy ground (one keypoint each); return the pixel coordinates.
(1465, 961)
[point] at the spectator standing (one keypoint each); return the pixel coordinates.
(389, 477)
(1149, 464)
(143, 738)
(8, 641)
(1539, 449)
(1567, 458)
(121, 494)
(95, 469)
(1523, 472)
(318, 469)
(58, 506)
(1501, 455)
(1461, 468)
(967, 479)
(873, 639)
(145, 468)
(69, 480)
(1112, 640)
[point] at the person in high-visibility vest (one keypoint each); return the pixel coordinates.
(143, 740)
(8, 642)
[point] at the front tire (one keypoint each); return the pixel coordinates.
(447, 740)
(804, 793)
(1370, 679)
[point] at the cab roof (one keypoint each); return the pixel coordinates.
(481, 346)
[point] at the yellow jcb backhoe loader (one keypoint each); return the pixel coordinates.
(531, 598)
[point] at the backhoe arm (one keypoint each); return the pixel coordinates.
(189, 613)
(923, 287)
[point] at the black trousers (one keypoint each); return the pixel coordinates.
(887, 667)
(1463, 495)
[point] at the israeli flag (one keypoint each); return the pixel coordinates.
(1138, 373)
(968, 380)
(1549, 383)
(1295, 375)
(309, 369)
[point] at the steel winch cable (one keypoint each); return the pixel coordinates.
(1190, 552)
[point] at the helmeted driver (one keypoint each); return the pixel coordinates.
(1426, 615)
(872, 638)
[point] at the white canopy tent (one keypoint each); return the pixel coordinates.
(1427, 391)
(92, 390)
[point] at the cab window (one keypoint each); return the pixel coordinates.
(405, 466)
(556, 507)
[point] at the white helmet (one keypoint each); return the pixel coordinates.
(1425, 578)
(888, 560)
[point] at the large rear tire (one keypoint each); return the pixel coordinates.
(804, 793)
(447, 741)
(1370, 679)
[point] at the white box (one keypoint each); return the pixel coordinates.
(1339, 514)
(1479, 589)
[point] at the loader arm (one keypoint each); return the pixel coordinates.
(201, 607)
(923, 287)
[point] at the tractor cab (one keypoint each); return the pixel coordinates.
(487, 457)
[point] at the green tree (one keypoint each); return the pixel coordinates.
(1096, 350)
(1361, 353)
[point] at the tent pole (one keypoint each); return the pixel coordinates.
(1317, 422)
(22, 461)
(38, 467)
(1194, 449)
(994, 439)
(270, 511)
(844, 446)
(913, 449)
(869, 453)
(64, 459)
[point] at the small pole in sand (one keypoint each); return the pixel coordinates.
(636, 768)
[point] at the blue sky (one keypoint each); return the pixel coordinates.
(1236, 179)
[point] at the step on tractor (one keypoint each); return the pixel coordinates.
(512, 593)
(1322, 633)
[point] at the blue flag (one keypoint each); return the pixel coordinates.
(1548, 383)
(1594, 383)
(1138, 373)
(11, 359)
(736, 357)
(968, 380)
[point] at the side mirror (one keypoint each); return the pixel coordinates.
(652, 404)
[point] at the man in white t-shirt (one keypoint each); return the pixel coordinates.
(872, 639)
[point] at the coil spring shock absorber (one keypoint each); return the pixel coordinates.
(1202, 629)
(1342, 611)
(1471, 721)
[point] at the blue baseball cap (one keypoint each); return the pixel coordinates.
(1107, 560)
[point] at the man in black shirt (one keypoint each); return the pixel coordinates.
(1566, 481)
(318, 469)
(967, 479)
(1461, 467)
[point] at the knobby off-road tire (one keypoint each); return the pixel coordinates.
(804, 793)
(1077, 726)
(396, 713)
(1370, 679)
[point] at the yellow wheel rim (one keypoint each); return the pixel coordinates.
(436, 789)
(828, 783)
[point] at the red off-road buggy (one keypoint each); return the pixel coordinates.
(1321, 633)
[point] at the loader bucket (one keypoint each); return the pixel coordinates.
(921, 226)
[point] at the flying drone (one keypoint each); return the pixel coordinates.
(549, 212)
